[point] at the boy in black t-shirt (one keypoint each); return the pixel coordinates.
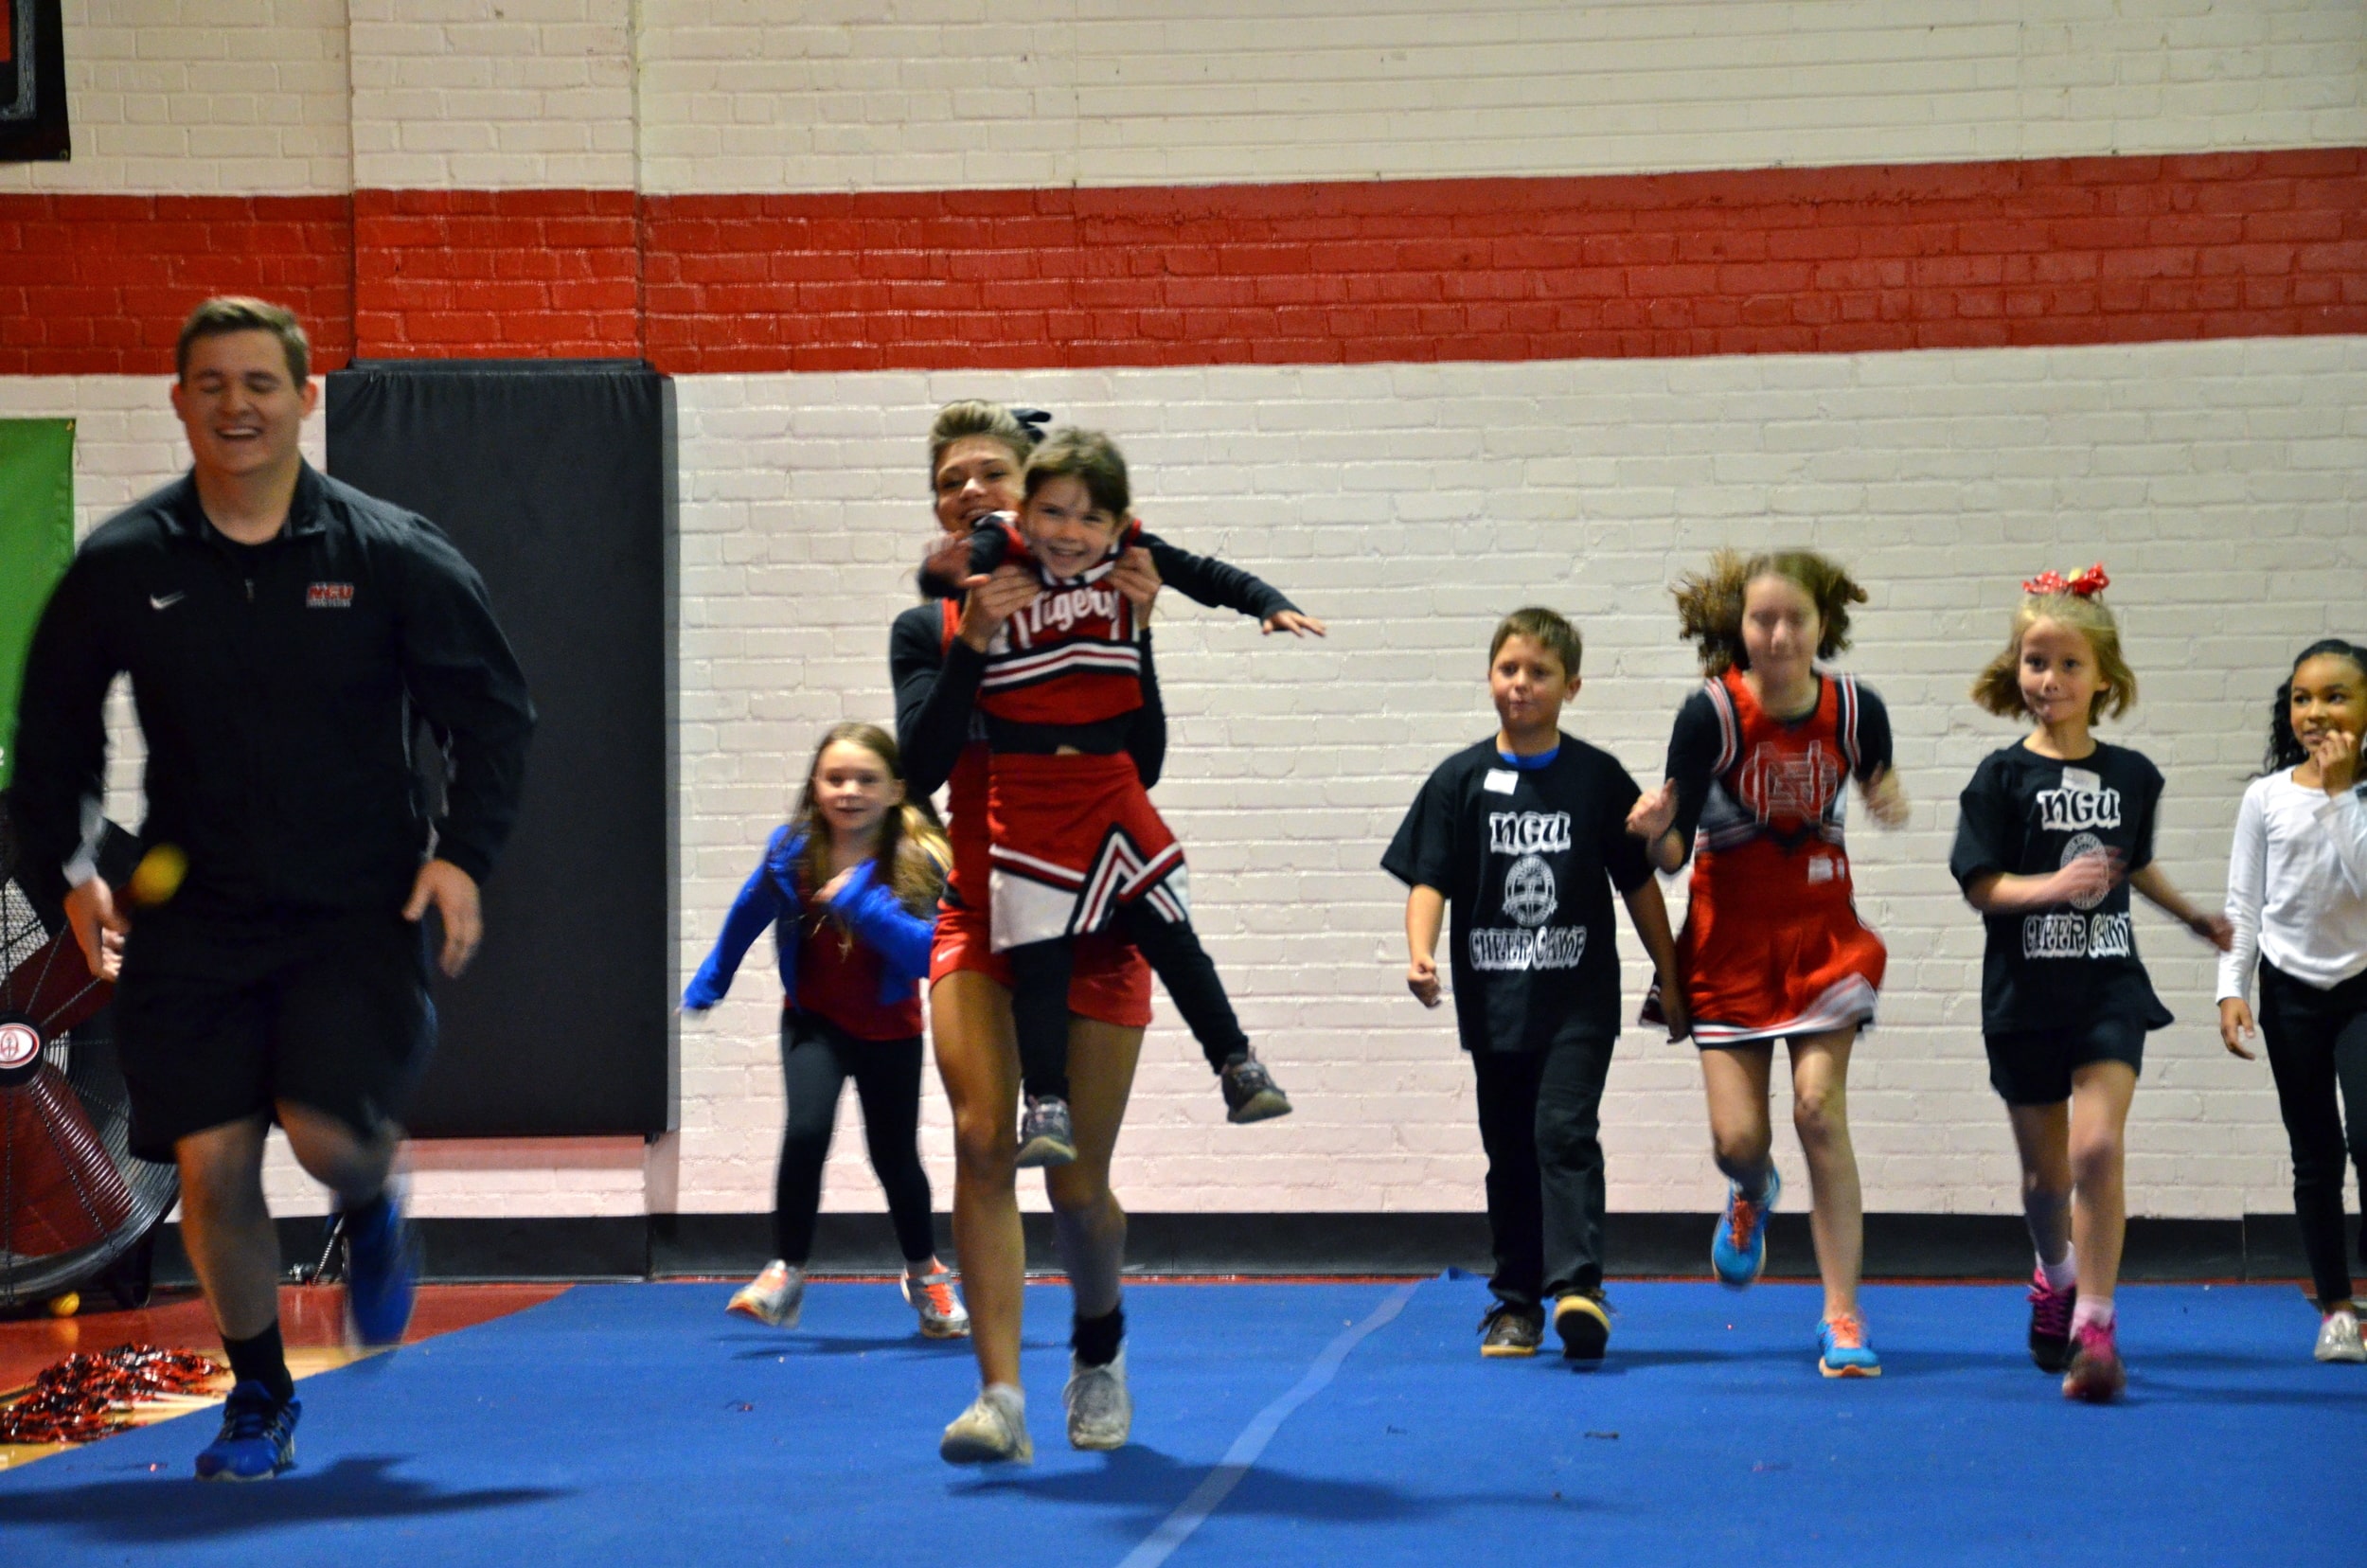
(1523, 835)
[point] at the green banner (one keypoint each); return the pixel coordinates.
(36, 542)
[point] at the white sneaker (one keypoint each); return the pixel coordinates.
(2337, 1337)
(992, 1430)
(1100, 1410)
(775, 1296)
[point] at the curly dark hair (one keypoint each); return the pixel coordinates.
(2285, 747)
(1709, 604)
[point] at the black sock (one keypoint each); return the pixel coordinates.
(1097, 1340)
(261, 1359)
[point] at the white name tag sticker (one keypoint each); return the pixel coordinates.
(2081, 781)
(1501, 781)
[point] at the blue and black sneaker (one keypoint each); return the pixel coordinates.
(381, 1271)
(258, 1437)
(1738, 1250)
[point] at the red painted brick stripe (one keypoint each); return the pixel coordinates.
(2111, 250)
(98, 285)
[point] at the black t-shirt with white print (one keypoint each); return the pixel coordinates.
(1527, 856)
(2027, 815)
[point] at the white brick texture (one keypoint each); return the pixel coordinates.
(938, 94)
(492, 95)
(2224, 485)
(195, 98)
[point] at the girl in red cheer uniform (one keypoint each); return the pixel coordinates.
(1760, 765)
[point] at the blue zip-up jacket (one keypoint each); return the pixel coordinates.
(870, 909)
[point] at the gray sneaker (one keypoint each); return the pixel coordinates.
(1250, 1093)
(1100, 1410)
(2337, 1337)
(993, 1430)
(775, 1296)
(1044, 1135)
(942, 1315)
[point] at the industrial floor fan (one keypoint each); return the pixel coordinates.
(76, 1208)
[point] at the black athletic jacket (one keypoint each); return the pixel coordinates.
(278, 688)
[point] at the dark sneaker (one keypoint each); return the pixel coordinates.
(381, 1273)
(2050, 1323)
(1582, 1318)
(1250, 1093)
(1044, 1137)
(1509, 1331)
(2096, 1374)
(258, 1437)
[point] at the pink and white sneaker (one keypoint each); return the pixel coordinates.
(2096, 1374)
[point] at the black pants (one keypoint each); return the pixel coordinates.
(818, 1058)
(1539, 1116)
(2316, 1039)
(1040, 976)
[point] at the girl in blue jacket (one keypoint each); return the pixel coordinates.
(850, 886)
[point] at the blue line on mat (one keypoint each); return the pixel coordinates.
(1217, 1485)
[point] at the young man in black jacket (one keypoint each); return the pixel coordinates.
(284, 635)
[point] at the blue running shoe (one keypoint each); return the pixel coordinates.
(258, 1438)
(1738, 1250)
(381, 1273)
(1843, 1351)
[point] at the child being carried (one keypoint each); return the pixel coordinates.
(1077, 845)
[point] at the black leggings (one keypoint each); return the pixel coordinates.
(2316, 1039)
(1040, 976)
(817, 1059)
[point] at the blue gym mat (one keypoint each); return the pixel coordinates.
(1277, 1424)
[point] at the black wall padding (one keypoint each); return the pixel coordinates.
(555, 480)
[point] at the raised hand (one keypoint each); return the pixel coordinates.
(1298, 625)
(1136, 576)
(993, 600)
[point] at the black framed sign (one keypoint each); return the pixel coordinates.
(32, 82)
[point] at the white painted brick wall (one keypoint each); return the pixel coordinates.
(492, 94)
(260, 95)
(958, 92)
(2224, 485)
(202, 98)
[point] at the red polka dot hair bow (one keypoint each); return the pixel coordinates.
(2085, 585)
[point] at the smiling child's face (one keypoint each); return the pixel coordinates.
(1063, 527)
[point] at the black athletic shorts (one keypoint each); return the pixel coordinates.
(2035, 1066)
(217, 1020)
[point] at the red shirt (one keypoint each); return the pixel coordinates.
(839, 978)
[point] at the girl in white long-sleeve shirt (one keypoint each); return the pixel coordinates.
(2297, 897)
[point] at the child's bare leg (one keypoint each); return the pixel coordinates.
(1735, 1079)
(2101, 1091)
(2042, 1137)
(1819, 1114)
